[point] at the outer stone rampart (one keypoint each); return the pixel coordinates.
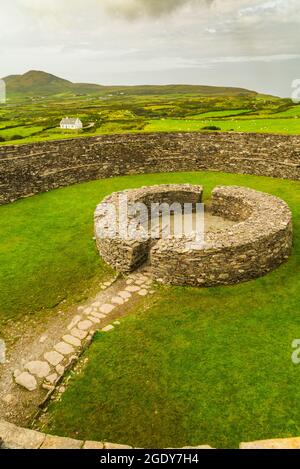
(29, 169)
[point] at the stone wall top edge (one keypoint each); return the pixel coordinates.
(31, 439)
(135, 136)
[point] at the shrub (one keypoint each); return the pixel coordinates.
(211, 127)
(16, 137)
(2, 139)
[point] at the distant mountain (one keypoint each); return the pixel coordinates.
(36, 84)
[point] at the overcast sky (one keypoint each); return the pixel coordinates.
(248, 43)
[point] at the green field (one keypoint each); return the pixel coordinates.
(280, 126)
(191, 366)
(26, 119)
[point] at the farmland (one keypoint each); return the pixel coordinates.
(31, 118)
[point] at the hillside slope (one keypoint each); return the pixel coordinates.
(37, 83)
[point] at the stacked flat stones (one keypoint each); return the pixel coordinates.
(259, 242)
(126, 255)
(39, 167)
(13, 437)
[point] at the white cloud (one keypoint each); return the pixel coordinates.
(120, 8)
(88, 39)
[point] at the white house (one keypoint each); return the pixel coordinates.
(71, 123)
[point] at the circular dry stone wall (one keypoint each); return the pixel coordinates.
(29, 169)
(259, 240)
(123, 253)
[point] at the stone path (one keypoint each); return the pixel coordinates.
(47, 356)
(47, 370)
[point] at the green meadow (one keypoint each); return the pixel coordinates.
(186, 366)
(26, 119)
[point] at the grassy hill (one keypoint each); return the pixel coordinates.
(37, 83)
(144, 90)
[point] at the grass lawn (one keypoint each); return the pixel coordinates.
(254, 124)
(190, 366)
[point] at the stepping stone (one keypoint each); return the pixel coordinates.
(54, 358)
(63, 348)
(107, 308)
(132, 288)
(38, 368)
(129, 281)
(79, 334)
(140, 281)
(117, 323)
(107, 284)
(124, 294)
(143, 292)
(108, 328)
(94, 320)
(60, 369)
(88, 310)
(73, 323)
(96, 304)
(118, 300)
(98, 315)
(27, 381)
(70, 339)
(52, 378)
(84, 325)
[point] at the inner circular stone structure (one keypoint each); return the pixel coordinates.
(246, 234)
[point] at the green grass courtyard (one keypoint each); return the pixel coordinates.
(187, 367)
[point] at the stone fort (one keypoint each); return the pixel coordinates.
(30, 169)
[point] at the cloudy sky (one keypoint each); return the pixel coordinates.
(248, 43)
